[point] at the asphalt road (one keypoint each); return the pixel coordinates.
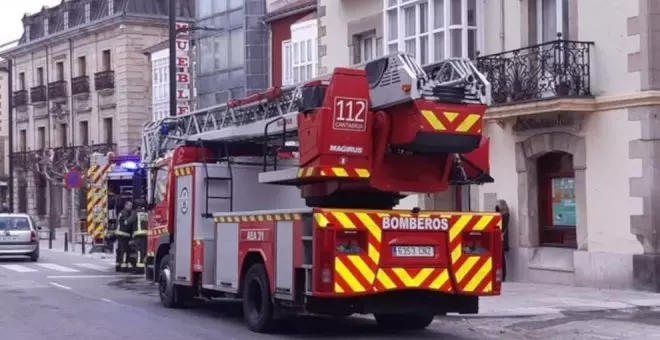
(66, 297)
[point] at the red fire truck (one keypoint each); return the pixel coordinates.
(285, 199)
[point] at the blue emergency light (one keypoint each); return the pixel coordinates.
(129, 165)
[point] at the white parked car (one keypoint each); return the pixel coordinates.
(19, 236)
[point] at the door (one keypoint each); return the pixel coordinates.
(551, 20)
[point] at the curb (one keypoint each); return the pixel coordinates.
(542, 311)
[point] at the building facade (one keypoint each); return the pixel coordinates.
(231, 50)
(80, 85)
(573, 125)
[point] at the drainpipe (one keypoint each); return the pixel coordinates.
(502, 25)
(73, 212)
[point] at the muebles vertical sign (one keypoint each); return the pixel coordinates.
(182, 68)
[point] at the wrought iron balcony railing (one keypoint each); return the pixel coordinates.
(80, 85)
(104, 80)
(57, 89)
(555, 69)
(61, 158)
(38, 94)
(21, 98)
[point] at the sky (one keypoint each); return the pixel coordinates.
(10, 16)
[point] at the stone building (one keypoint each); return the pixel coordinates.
(80, 85)
(574, 123)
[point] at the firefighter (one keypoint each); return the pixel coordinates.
(139, 240)
(123, 233)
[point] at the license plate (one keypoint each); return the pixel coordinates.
(8, 238)
(413, 251)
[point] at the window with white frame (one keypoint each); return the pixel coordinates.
(367, 47)
(552, 18)
(287, 63)
(433, 30)
(304, 43)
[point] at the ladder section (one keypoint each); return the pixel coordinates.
(236, 120)
(308, 251)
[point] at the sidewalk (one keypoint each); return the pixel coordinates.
(530, 299)
(58, 245)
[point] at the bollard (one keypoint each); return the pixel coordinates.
(82, 244)
(50, 238)
(66, 241)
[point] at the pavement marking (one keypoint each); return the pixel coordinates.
(59, 285)
(92, 266)
(57, 267)
(89, 276)
(19, 268)
(107, 300)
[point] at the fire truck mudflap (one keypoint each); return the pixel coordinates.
(343, 261)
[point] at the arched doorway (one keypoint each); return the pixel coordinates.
(556, 200)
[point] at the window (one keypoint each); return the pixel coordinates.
(82, 66)
(83, 131)
(304, 46)
(236, 48)
(22, 195)
(161, 184)
(108, 133)
(41, 137)
(40, 76)
(46, 26)
(21, 81)
(64, 135)
(107, 60)
(557, 205)
(41, 186)
(552, 18)
(59, 70)
(287, 63)
(65, 19)
(88, 13)
(432, 30)
(367, 47)
(22, 142)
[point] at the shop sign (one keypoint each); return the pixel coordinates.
(183, 68)
(568, 121)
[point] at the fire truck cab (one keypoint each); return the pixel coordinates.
(285, 199)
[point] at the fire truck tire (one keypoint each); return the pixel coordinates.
(257, 304)
(405, 322)
(171, 295)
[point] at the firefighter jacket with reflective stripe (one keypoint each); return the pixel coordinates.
(126, 222)
(141, 225)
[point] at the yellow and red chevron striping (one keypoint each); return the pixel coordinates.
(448, 121)
(473, 274)
(355, 274)
(342, 172)
(359, 274)
(97, 200)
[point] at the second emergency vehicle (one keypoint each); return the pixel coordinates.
(285, 199)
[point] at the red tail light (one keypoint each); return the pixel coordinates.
(33, 236)
(324, 259)
(477, 243)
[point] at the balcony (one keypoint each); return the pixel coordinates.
(57, 89)
(38, 94)
(104, 80)
(21, 98)
(558, 69)
(80, 85)
(63, 157)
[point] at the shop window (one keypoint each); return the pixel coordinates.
(557, 205)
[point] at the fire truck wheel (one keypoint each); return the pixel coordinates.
(403, 322)
(171, 296)
(257, 304)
